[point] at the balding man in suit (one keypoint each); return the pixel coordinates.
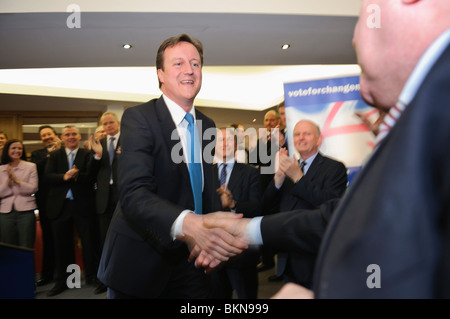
(389, 236)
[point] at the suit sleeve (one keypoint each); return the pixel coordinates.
(297, 230)
(251, 207)
(331, 186)
(29, 184)
(271, 199)
(40, 159)
(142, 145)
(51, 174)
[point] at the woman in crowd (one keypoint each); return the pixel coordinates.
(3, 140)
(18, 183)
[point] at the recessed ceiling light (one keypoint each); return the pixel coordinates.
(285, 46)
(126, 46)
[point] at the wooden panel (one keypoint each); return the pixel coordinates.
(11, 125)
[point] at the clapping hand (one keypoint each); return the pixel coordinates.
(12, 177)
(373, 126)
(226, 198)
(55, 144)
(96, 146)
(71, 173)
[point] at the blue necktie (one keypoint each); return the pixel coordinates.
(111, 152)
(194, 164)
(302, 166)
(223, 174)
(69, 193)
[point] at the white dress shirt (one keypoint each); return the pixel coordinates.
(181, 124)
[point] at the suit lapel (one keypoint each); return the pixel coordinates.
(312, 171)
(170, 134)
(64, 159)
(234, 177)
(315, 165)
(78, 160)
(216, 176)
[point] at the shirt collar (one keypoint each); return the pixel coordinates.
(176, 111)
(310, 159)
(229, 162)
(115, 136)
(423, 67)
(74, 151)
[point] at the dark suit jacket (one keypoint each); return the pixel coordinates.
(326, 179)
(397, 213)
(264, 157)
(139, 253)
(245, 186)
(102, 171)
(299, 230)
(82, 186)
(39, 157)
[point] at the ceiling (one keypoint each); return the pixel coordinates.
(242, 46)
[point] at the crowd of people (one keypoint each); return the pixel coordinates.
(72, 187)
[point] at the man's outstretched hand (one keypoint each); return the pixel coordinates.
(211, 246)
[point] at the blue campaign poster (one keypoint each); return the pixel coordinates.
(332, 104)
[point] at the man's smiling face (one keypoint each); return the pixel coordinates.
(181, 77)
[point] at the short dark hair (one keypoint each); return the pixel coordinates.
(173, 41)
(46, 126)
(6, 136)
(5, 156)
(281, 104)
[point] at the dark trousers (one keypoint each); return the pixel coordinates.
(63, 231)
(185, 282)
(48, 256)
(244, 281)
(104, 219)
(18, 228)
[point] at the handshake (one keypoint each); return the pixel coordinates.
(214, 238)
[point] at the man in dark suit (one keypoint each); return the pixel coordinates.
(263, 156)
(239, 189)
(143, 256)
(69, 203)
(107, 153)
(51, 142)
(303, 184)
(389, 237)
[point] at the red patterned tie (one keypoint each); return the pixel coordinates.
(389, 121)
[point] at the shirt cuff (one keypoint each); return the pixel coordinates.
(177, 226)
(254, 231)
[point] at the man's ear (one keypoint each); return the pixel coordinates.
(160, 74)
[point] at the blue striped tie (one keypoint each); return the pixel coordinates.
(194, 164)
(69, 193)
(111, 152)
(223, 174)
